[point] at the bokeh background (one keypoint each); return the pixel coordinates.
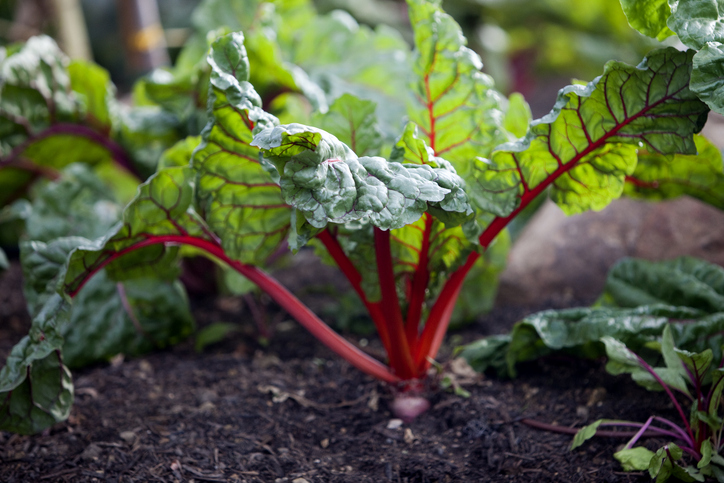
(530, 46)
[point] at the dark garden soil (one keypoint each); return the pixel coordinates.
(293, 412)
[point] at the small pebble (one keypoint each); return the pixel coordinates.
(394, 424)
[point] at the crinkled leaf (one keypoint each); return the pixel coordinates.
(706, 77)
(35, 90)
(41, 398)
(648, 17)
(634, 459)
(52, 115)
(586, 433)
(685, 281)
(489, 352)
(353, 122)
(77, 204)
(265, 25)
(44, 267)
(700, 176)
(131, 318)
(578, 331)
(697, 22)
(162, 208)
(240, 200)
(322, 178)
(586, 146)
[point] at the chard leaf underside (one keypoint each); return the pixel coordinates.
(660, 177)
(648, 17)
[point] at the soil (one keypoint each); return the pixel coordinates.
(294, 412)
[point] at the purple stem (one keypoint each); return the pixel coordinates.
(640, 433)
(118, 154)
(651, 371)
(653, 429)
(682, 434)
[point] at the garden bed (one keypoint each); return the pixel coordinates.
(295, 412)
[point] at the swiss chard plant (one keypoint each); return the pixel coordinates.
(405, 178)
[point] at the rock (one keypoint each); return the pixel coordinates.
(562, 260)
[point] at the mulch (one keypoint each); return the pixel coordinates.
(294, 412)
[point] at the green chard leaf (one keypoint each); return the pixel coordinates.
(685, 281)
(579, 331)
(239, 198)
(659, 177)
(323, 179)
(696, 22)
(454, 104)
(36, 389)
(161, 211)
(699, 25)
(131, 317)
(662, 467)
(341, 56)
(586, 433)
(517, 116)
(648, 17)
(96, 93)
(53, 113)
(587, 145)
(145, 133)
(267, 25)
(107, 317)
(180, 154)
(352, 121)
(77, 203)
(634, 459)
(706, 77)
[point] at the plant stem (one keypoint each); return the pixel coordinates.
(400, 356)
(640, 432)
(345, 264)
(276, 291)
(651, 371)
(419, 286)
(439, 318)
